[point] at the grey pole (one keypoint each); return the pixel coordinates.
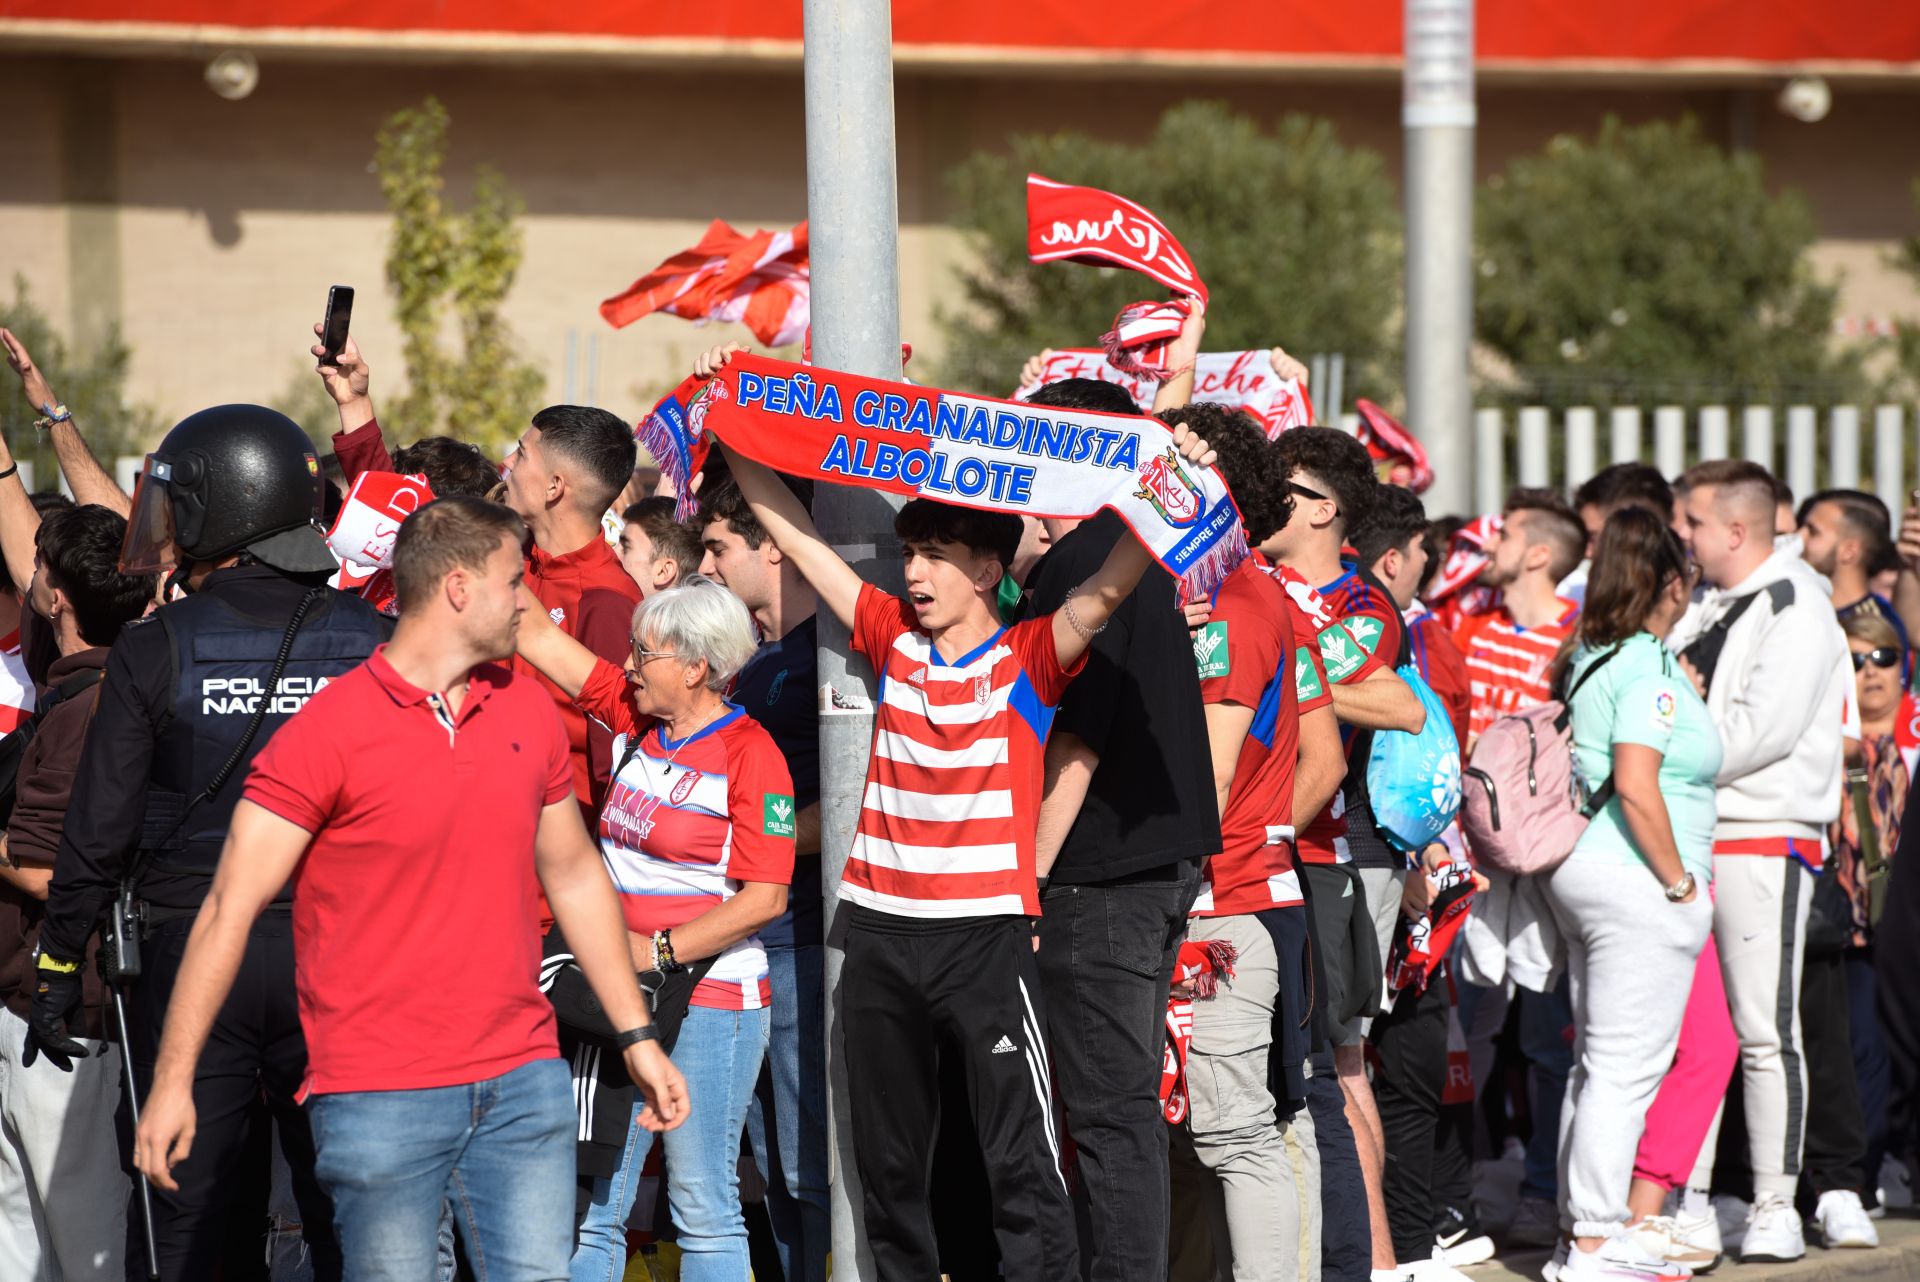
(1437, 114)
(853, 230)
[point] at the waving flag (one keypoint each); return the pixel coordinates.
(1087, 225)
(760, 280)
(1396, 452)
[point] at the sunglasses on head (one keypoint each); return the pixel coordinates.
(1885, 656)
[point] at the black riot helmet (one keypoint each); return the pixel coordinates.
(234, 478)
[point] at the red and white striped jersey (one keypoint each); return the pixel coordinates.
(1507, 664)
(17, 698)
(953, 787)
(686, 821)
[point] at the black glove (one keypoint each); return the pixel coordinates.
(56, 1000)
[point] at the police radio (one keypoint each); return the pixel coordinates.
(120, 938)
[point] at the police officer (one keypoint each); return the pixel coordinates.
(230, 500)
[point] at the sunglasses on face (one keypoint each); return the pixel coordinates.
(1307, 492)
(1886, 656)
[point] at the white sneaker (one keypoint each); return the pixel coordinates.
(1464, 1250)
(1731, 1216)
(1557, 1261)
(1843, 1222)
(1773, 1232)
(1433, 1270)
(1661, 1237)
(1618, 1260)
(1896, 1185)
(1701, 1227)
(1536, 1222)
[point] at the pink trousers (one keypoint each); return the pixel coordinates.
(1684, 1111)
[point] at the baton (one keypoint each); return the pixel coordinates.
(133, 1107)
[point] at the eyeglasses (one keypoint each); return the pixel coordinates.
(1886, 656)
(641, 656)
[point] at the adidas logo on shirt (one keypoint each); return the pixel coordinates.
(1005, 1046)
(917, 677)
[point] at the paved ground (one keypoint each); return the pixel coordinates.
(1897, 1260)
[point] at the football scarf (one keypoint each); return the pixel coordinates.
(369, 520)
(1205, 963)
(1244, 380)
(1087, 225)
(1398, 457)
(998, 456)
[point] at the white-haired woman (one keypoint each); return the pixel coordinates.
(697, 832)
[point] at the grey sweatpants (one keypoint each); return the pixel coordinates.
(1630, 961)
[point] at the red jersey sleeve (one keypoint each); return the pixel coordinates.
(1238, 654)
(1376, 627)
(300, 773)
(760, 806)
(1032, 644)
(608, 699)
(362, 450)
(559, 771)
(878, 618)
(1310, 682)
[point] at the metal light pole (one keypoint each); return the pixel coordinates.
(1437, 113)
(853, 235)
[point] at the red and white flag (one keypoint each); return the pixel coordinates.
(1397, 454)
(369, 520)
(1087, 225)
(759, 280)
(1244, 380)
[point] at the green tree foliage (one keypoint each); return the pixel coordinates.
(1295, 233)
(92, 384)
(1648, 266)
(436, 257)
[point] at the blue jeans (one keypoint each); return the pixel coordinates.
(719, 1053)
(500, 1151)
(794, 1089)
(1544, 1021)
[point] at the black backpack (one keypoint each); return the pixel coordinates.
(13, 748)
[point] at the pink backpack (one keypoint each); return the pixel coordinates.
(1522, 804)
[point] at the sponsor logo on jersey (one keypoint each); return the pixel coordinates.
(777, 818)
(1210, 653)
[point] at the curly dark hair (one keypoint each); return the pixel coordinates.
(1253, 473)
(1398, 518)
(721, 500)
(79, 551)
(1337, 460)
(450, 466)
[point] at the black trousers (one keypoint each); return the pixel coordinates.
(1411, 1042)
(1346, 1232)
(1836, 1147)
(1107, 952)
(910, 996)
(1896, 958)
(256, 1052)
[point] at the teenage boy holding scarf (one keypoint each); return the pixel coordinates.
(941, 878)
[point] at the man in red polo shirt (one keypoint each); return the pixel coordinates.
(569, 465)
(429, 774)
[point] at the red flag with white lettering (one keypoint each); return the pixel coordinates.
(1087, 225)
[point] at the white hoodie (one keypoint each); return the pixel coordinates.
(1779, 697)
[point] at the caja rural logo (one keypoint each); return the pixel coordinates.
(1174, 495)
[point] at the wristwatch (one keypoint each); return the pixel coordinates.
(1679, 890)
(634, 1036)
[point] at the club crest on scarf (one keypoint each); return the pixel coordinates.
(1166, 485)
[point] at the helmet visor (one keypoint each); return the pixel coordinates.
(149, 547)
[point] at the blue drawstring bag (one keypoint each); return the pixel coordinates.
(1413, 780)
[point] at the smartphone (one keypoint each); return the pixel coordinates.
(334, 331)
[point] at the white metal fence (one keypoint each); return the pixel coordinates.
(1846, 447)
